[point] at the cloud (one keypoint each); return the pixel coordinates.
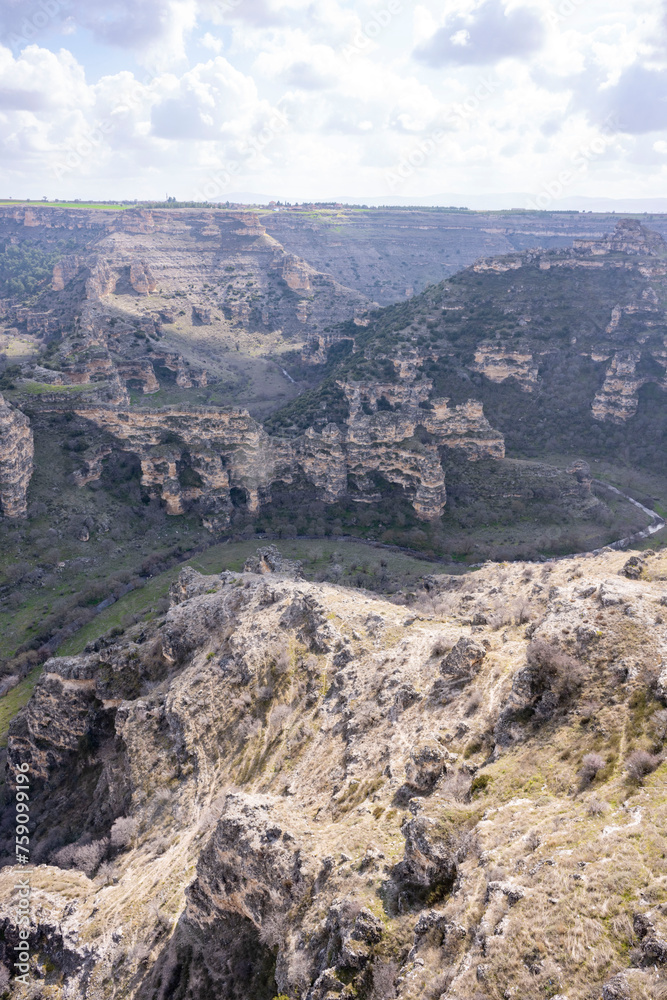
(306, 76)
(12, 99)
(209, 41)
(636, 104)
(210, 101)
(485, 36)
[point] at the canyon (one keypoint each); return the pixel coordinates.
(386, 393)
(325, 768)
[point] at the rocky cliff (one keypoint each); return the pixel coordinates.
(140, 286)
(284, 788)
(16, 460)
(565, 349)
(195, 457)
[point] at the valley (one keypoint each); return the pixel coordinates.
(332, 676)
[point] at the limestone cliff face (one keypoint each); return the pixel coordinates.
(502, 361)
(617, 400)
(141, 278)
(16, 460)
(198, 455)
(291, 788)
(629, 236)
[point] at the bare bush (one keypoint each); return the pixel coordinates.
(88, 857)
(596, 806)
(533, 840)
(279, 716)
(555, 669)
(474, 702)
(441, 646)
(160, 916)
(590, 765)
(273, 930)
(123, 831)
(300, 972)
(440, 984)
(105, 873)
(456, 786)
(64, 858)
(640, 763)
(84, 856)
(282, 661)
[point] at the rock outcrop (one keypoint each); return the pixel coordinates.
(500, 361)
(265, 792)
(198, 455)
(618, 399)
(629, 236)
(141, 278)
(16, 460)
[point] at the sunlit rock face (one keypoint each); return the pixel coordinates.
(226, 449)
(16, 460)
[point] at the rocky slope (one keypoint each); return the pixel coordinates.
(290, 788)
(16, 460)
(565, 349)
(145, 291)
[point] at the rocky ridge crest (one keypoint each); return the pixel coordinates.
(294, 788)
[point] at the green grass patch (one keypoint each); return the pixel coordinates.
(42, 388)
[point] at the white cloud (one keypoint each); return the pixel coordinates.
(355, 98)
(209, 41)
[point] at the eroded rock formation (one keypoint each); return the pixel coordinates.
(198, 455)
(500, 361)
(291, 788)
(16, 460)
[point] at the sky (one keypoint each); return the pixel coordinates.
(519, 103)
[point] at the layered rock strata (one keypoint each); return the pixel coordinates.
(501, 361)
(617, 399)
(16, 460)
(197, 456)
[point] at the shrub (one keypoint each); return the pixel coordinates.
(554, 669)
(384, 979)
(88, 857)
(590, 765)
(123, 831)
(533, 840)
(640, 763)
(596, 807)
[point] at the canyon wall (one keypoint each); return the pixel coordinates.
(196, 456)
(16, 460)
